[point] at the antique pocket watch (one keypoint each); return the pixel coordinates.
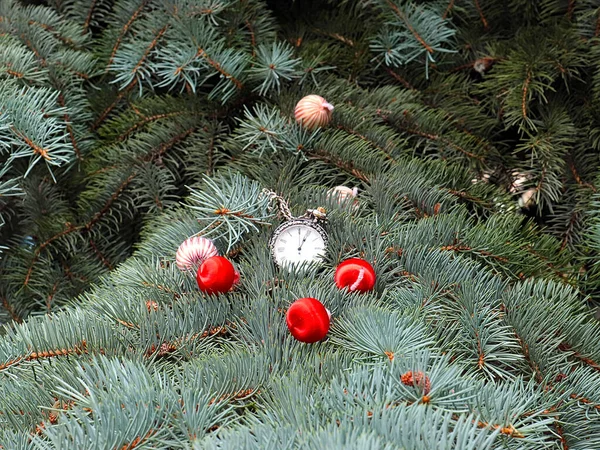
(299, 240)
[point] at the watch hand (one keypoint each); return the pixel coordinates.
(303, 241)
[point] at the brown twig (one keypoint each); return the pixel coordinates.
(44, 354)
(564, 347)
(570, 9)
(109, 202)
(88, 19)
(348, 166)
(53, 31)
(123, 32)
(400, 14)
(36, 148)
(578, 178)
(219, 68)
(480, 11)
(8, 307)
(105, 261)
(450, 6)
(525, 92)
(525, 349)
(252, 37)
(435, 137)
(116, 101)
(67, 119)
(137, 441)
(51, 296)
(466, 248)
(400, 79)
(366, 139)
(70, 228)
(146, 120)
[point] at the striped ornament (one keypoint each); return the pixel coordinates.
(342, 193)
(193, 251)
(313, 111)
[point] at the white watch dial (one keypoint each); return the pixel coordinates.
(298, 243)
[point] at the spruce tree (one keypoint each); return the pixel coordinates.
(469, 128)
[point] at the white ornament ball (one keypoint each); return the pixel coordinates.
(193, 251)
(527, 198)
(342, 193)
(313, 111)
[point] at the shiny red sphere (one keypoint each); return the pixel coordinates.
(355, 274)
(215, 275)
(308, 320)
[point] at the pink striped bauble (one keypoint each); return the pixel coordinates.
(313, 111)
(193, 251)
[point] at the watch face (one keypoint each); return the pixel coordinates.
(298, 241)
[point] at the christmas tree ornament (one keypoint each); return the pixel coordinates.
(216, 275)
(482, 65)
(527, 198)
(342, 193)
(308, 320)
(355, 274)
(298, 240)
(193, 251)
(313, 111)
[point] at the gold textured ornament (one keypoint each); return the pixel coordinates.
(313, 111)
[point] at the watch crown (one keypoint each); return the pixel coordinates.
(319, 213)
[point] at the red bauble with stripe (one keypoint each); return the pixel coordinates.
(308, 320)
(355, 274)
(313, 111)
(216, 275)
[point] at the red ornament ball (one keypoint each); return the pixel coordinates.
(216, 275)
(308, 320)
(355, 274)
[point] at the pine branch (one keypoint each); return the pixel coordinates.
(146, 120)
(448, 9)
(88, 19)
(565, 347)
(104, 115)
(150, 47)
(401, 15)
(481, 15)
(124, 31)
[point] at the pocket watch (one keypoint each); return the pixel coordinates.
(299, 240)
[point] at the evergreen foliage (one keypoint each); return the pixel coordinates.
(127, 126)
